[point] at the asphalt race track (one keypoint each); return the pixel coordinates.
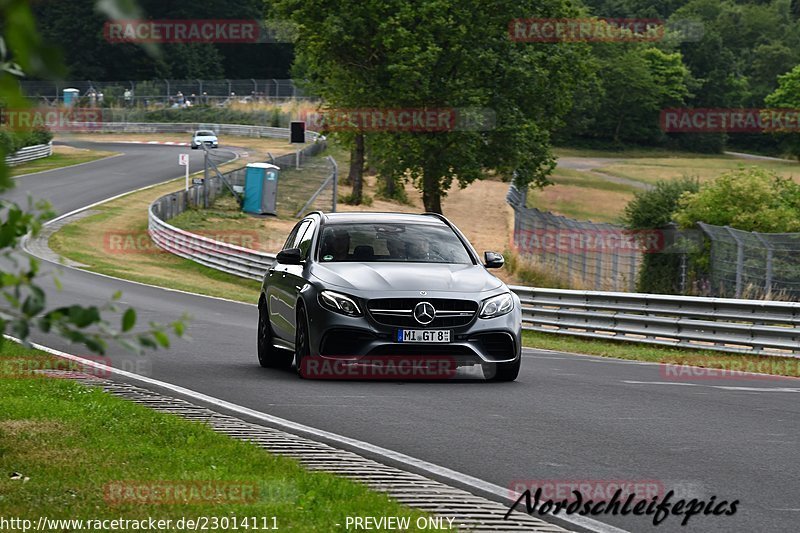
(567, 418)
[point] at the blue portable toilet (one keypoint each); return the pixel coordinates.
(70, 96)
(260, 188)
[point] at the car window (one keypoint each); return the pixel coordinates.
(304, 241)
(293, 240)
(392, 242)
(292, 235)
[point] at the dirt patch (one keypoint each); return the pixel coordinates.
(27, 426)
(61, 149)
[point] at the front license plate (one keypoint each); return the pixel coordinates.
(423, 335)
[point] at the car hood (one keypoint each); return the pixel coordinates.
(406, 277)
(206, 137)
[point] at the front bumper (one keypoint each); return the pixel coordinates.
(337, 337)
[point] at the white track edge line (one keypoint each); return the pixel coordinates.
(398, 457)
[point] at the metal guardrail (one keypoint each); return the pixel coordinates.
(229, 258)
(758, 327)
(30, 153)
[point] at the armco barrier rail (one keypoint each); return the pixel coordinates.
(30, 153)
(228, 258)
(745, 326)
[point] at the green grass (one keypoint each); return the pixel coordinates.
(633, 152)
(588, 180)
(587, 195)
(87, 242)
(58, 160)
(582, 195)
(650, 170)
(71, 442)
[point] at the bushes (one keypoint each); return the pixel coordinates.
(749, 199)
(213, 115)
(11, 141)
(652, 209)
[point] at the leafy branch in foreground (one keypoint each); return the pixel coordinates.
(25, 302)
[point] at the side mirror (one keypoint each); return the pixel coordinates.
(290, 256)
(493, 260)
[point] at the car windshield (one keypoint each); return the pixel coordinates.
(204, 134)
(392, 242)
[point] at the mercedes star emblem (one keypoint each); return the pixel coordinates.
(424, 313)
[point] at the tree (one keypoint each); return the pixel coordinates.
(90, 56)
(637, 83)
(787, 96)
(444, 54)
(24, 301)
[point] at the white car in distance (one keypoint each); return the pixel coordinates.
(207, 137)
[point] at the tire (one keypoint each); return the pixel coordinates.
(301, 344)
(502, 371)
(268, 355)
(194, 147)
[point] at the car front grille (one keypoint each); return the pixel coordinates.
(399, 312)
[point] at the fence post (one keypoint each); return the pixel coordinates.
(768, 281)
(335, 184)
(739, 261)
(205, 176)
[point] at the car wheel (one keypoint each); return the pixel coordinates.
(194, 147)
(502, 371)
(268, 355)
(301, 344)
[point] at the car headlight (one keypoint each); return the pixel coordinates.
(339, 303)
(497, 306)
